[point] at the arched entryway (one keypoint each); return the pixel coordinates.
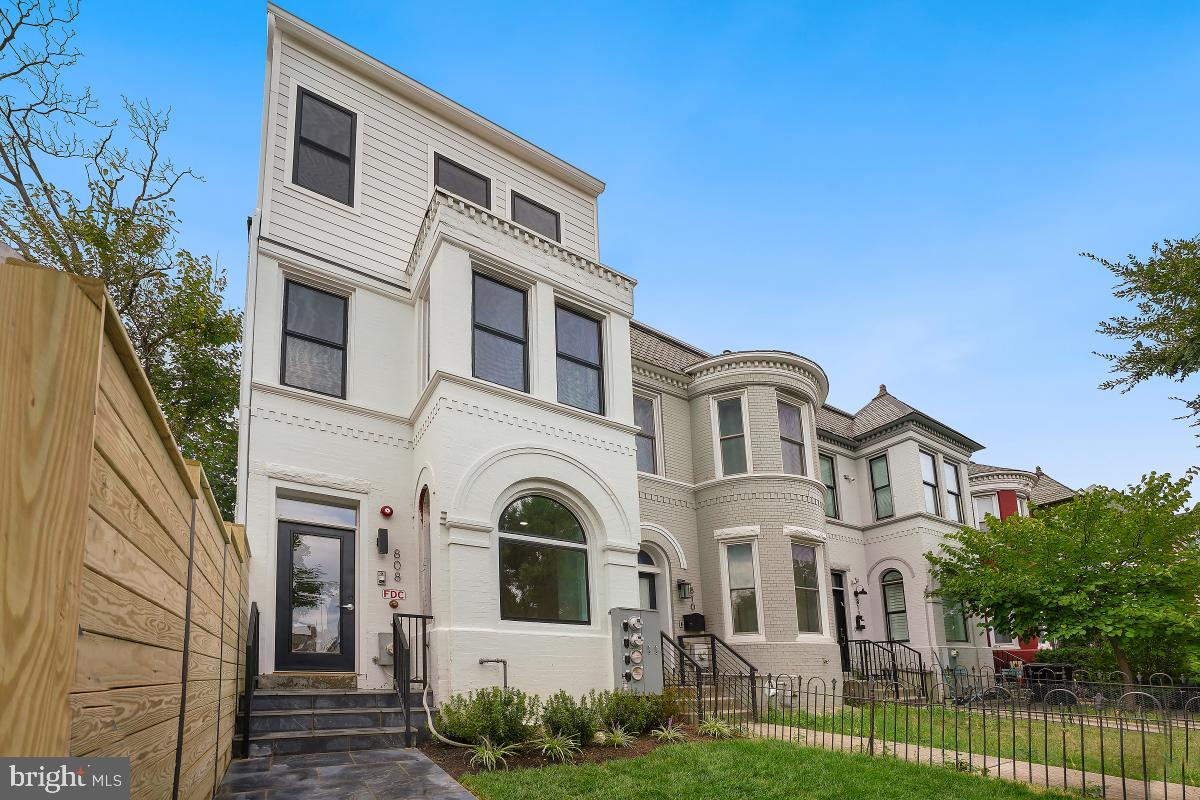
(654, 582)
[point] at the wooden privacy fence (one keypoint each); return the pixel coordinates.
(123, 595)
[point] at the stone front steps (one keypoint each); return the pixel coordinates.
(291, 721)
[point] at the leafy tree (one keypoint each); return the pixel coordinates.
(113, 219)
(1165, 332)
(1117, 567)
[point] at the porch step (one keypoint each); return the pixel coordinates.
(308, 681)
(288, 721)
(281, 743)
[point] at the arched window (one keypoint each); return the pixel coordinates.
(894, 609)
(648, 580)
(543, 563)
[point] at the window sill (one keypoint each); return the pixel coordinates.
(309, 194)
(814, 638)
(747, 638)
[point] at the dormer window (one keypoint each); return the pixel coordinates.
(323, 161)
(462, 181)
(535, 216)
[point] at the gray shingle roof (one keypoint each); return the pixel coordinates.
(884, 409)
(657, 348)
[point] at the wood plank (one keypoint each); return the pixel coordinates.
(103, 717)
(154, 779)
(170, 503)
(112, 610)
(104, 663)
(119, 559)
(117, 504)
(50, 334)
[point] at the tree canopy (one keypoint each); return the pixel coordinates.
(1115, 568)
(1164, 334)
(111, 216)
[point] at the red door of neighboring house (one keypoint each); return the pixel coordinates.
(1020, 649)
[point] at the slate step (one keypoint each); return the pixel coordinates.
(281, 743)
(293, 700)
(324, 719)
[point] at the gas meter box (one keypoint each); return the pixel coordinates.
(637, 650)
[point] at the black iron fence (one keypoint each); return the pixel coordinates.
(1141, 741)
(410, 661)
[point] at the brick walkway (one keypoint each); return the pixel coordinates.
(354, 775)
(1007, 768)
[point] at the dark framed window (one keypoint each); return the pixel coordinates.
(929, 482)
(462, 181)
(647, 435)
(543, 563)
(499, 342)
(954, 506)
(808, 588)
(731, 432)
(536, 217)
(314, 340)
(648, 581)
(580, 360)
(895, 610)
(881, 487)
(829, 478)
(323, 161)
(791, 438)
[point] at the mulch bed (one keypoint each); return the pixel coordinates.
(454, 759)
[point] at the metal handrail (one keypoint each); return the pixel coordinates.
(683, 661)
(718, 648)
(251, 677)
(403, 679)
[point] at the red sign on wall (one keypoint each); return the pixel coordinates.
(393, 594)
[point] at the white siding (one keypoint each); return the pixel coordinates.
(393, 175)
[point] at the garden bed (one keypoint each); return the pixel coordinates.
(455, 760)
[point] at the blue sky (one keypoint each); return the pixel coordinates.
(896, 190)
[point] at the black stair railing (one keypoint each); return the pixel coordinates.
(894, 664)
(725, 665)
(251, 678)
(681, 671)
(410, 662)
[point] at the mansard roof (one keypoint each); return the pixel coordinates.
(657, 348)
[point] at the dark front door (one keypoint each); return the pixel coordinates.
(839, 614)
(314, 606)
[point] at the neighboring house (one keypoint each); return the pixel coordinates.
(1002, 492)
(447, 409)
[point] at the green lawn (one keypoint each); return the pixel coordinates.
(746, 770)
(1054, 740)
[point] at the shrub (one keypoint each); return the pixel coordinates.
(662, 708)
(499, 716)
(616, 736)
(716, 728)
(669, 733)
(488, 755)
(558, 747)
(564, 716)
(625, 709)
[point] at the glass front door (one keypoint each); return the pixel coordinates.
(314, 626)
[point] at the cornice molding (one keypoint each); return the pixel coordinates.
(648, 372)
(328, 402)
(761, 361)
(327, 427)
(468, 210)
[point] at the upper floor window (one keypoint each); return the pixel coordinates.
(929, 482)
(805, 576)
(543, 563)
(323, 161)
(1022, 506)
(895, 609)
(314, 340)
(829, 478)
(580, 373)
(881, 487)
(731, 433)
(500, 339)
(985, 504)
(466, 183)
(954, 509)
(791, 438)
(535, 216)
(643, 418)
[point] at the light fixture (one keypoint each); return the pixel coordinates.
(684, 589)
(859, 592)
